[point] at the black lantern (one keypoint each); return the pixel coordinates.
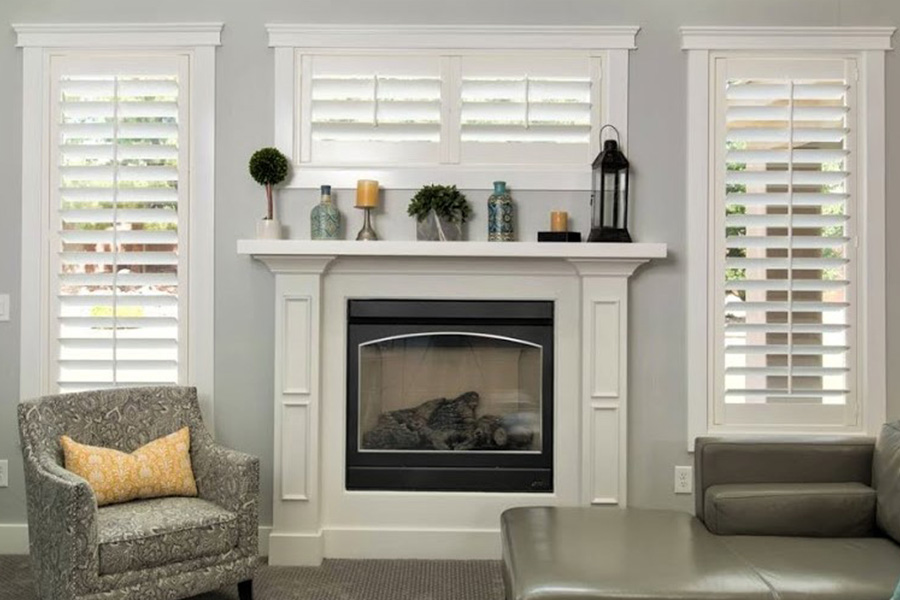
(609, 193)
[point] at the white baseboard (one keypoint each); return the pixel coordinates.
(14, 539)
(431, 544)
(264, 532)
(295, 549)
(289, 549)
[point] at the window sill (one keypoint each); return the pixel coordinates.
(522, 177)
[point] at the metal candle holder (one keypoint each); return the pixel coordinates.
(367, 233)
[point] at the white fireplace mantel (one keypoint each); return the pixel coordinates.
(314, 516)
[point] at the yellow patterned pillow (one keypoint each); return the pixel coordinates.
(160, 468)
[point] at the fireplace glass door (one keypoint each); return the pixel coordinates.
(449, 392)
(450, 395)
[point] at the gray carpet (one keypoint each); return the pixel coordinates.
(334, 580)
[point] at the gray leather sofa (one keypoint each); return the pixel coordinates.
(778, 518)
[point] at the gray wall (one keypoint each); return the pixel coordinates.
(244, 290)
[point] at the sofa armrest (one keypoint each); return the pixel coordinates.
(62, 530)
(781, 459)
(231, 480)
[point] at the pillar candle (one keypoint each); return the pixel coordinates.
(559, 220)
(366, 193)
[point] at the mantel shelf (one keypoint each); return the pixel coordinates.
(526, 250)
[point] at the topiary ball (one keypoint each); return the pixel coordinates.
(268, 166)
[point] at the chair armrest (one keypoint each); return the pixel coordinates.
(231, 480)
(226, 477)
(780, 459)
(62, 530)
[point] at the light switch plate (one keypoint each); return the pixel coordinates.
(4, 473)
(4, 307)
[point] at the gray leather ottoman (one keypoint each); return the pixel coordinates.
(617, 554)
(612, 554)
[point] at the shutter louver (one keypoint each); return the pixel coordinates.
(785, 252)
(526, 111)
(117, 248)
(388, 107)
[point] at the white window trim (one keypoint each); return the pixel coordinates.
(611, 43)
(868, 46)
(39, 42)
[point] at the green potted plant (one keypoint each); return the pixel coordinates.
(440, 211)
(268, 167)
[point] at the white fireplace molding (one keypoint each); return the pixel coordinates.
(314, 517)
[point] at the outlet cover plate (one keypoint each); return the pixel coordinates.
(4, 307)
(684, 480)
(4, 473)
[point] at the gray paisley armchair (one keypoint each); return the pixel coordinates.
(146, 549)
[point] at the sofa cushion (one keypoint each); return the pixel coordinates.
(886, 479)
(610, 554)
(149, 533)
(824, 569)
(791, 509)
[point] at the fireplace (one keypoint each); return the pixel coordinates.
(449, 395)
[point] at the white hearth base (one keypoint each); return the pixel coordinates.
(314, 516)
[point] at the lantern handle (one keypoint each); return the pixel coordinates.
(613, 127)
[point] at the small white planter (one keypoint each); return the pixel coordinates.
(268, 229)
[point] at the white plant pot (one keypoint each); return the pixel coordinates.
(268, 229)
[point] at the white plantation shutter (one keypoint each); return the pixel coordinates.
(386, 108)
(784, 255)
(118, 242)
(450, 107)
(527, 110)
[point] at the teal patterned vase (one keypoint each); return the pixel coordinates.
(501, 227)
(325, 219)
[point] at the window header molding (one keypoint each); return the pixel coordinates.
(117, 35)
(417, 37)
(786, 38)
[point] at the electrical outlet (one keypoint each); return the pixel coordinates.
(684, 480)
(4, 473)
(4, 307)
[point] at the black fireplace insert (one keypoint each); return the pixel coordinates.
(450, 395)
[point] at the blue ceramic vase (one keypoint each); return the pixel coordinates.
(501, 227)
(325, 219)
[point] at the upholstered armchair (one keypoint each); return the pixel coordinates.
(145, 549)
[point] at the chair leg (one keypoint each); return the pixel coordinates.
(245, 590)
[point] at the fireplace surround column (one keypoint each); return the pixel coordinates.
(297, 502)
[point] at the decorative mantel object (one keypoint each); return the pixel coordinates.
(367, 199)
(609, 193)
(440, 211)
(313, 513)
(559, 229)
(325, 218)
(268, 167)
(559, 220)
(559, 236)
(501, 227)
